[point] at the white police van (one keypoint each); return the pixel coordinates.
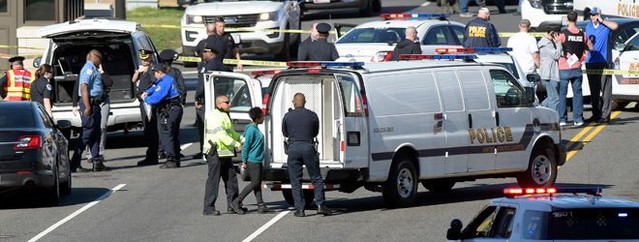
(389, 126)
(552, 214)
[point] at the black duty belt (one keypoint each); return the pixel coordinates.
(96, 101)
(300, 141)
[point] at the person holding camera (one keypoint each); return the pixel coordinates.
(550, 51)
(598, 32)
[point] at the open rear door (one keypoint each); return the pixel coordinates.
(243, 91)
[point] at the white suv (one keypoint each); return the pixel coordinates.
(257, 25)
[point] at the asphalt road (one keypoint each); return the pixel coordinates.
(151, 204)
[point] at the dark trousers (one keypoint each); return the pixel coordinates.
(219, 167)
(90, 135)
(255, 173)
(150, 133)
(170, 132)
(300, 154)
(600, 87)
(199, 121)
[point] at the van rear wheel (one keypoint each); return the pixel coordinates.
(542, 169)
(401, 187)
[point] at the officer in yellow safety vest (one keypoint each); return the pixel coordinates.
(219, 146)
(15, 85)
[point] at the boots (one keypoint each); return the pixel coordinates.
(263, 209)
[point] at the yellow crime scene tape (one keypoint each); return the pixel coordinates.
(611, 72)
(235, 61)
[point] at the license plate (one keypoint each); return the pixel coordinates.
(321, 1)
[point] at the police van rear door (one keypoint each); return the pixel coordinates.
(243, 91)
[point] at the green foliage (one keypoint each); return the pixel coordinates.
(162, 37)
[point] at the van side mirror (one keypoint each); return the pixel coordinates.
(533, 77)
(454, 232)
(37, 61)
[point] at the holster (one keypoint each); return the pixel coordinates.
(286, 146)
(213, 149)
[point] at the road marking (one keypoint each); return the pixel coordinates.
(76, 213)
(426, 3)
(265, 226)
(575, 140)
(184, 146)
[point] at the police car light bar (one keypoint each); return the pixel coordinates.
(511, 192)
(265, 72)
(437, 57)
(413, 15)
(472, 50)
(324, 64)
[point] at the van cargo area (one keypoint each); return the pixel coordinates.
(117, 60)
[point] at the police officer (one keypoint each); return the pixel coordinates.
(105, 109)
(164, 95)
(15, 85)
(220, 41)
(319, 50)
(145, 78)
(410, 45)
(222, 141)
(480, 32)
(167, 57)
(211, 63)
(301, 126)
(90, 92)
(311, 38)
(41, 90)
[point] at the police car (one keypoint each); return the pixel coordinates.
(373, 41)
(552, 214)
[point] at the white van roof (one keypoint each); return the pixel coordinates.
(89, 25)
(399, 65)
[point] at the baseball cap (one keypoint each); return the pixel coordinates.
(525, 22)
(168, 55)
(595, 10)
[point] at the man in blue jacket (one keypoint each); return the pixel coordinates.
(480, 33)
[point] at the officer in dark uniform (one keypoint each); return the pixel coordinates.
(480, 32)
(41, 90)
(164, 95)
(145, 79)
(210, 63)
(167, 57)
(301, 126)
(220, 41)
(319, 50)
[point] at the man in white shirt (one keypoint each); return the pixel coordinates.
(524, 48)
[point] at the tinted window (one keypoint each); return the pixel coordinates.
(503, 226)
(237, 90)
(507, 89)
(373, 35)
(439, 35)
(44, 117)
(16, 116)
(3, 6)
(459, 32)
(39, 10)
(350, 97)
(594, 224)
(534, 225)
(511, 68)
(481, 225)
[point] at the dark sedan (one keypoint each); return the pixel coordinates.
(33, 151)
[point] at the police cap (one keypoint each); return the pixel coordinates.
(208, 47)
(16, 58)
(323, 28)
(168, 55)
(145, 54)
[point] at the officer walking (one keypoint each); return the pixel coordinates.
(480, 32)
(301, 126)
(41, 90)
(211, 63)
(319, 50)
(145, 78)
(222, 142)
(167, 57)
(90, 92)
(164, 96)
(15, 85)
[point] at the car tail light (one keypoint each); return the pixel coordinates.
(382, 56)
(28, 142)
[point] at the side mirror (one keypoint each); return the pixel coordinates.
(454, 232)
(36, 62)
(533, 77)
(64, 124)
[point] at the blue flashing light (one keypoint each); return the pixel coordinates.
(492, 50)
(413, 15)
(324, 64)
(465, 57)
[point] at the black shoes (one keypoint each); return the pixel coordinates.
(263, 209)
(603, 121)
(161, 156)
(299, 213)
(97, 167)
(80, 170)
(322, 209)
(169, 165)
(235, 206)
(211, 213)
(146, 162)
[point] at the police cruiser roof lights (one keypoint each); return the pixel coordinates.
(437, 57)
(413, 15)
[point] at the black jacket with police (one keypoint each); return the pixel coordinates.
(480, 33)
(211, 65)
(319, 50)
(405, 47)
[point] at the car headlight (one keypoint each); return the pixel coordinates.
(268, 16)
(536, 3)
(194, 19)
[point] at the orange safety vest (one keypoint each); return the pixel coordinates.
(19, 85)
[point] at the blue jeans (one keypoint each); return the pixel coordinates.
(552, 90)
(575, 77)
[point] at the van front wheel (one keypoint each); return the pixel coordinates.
(401, 187)
(542, 169)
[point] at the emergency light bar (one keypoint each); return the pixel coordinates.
(413, 15)
(512, 192)
(472, 50)
(324, 64)
(437, 57)
(265, 72)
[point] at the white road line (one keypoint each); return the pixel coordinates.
(184, 146)
(265, 226)
(426, 3)
(76, 213)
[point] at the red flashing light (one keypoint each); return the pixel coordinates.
(265, 100)
(511, 192)
(314, 71)
(28, 142)
(265, 72)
